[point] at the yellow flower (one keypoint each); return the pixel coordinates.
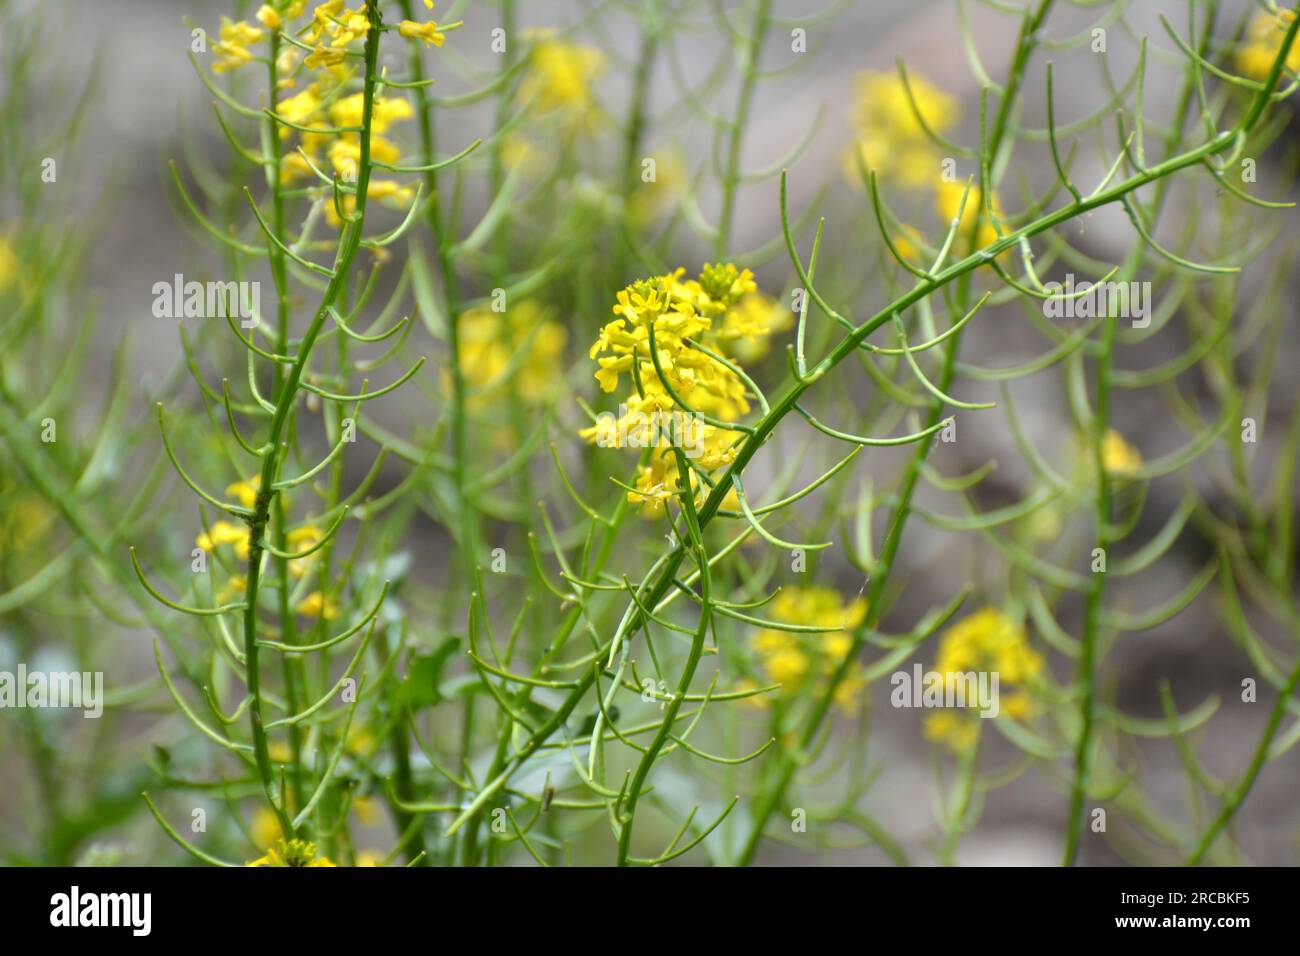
(236, 35)
(285, 64)
(428, 33)
(749, 324)
(1263, 42)
(560, 77)
(323, 19)
(300, 539)
(884, 104)
(678, 311)
(246, 491)
(279, 752)
(367, 810)
(353, 24)
(321, 56)
(24, 524)
(224, 532)
(360, 742)
(957, 730)
(269, 17)
(370, 857)
(519, 349)
(265, 828)
(234, 588)
(756, 701)
(948, 201)
(299, 108)
(806, 661)
(517, 152)
(380, 189)
(1118, 457)
(987, 641)
(725, 285)
(386, 110)
(688, 373)
(298, 853)
(345, 154)
(386, 189)
(889, 139)
(294, 166)
(317, 605)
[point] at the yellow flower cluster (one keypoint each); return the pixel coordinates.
(888, 137)
(319, 107)
(223, 533)
(232, 50)
(560, 77)
(1262, 43)
(804, 662)
(520, 348)
(331, 20)
(323, 104)
(986, 641)
(292, 853)
(720, 310)
(890, 140)
(676, 311)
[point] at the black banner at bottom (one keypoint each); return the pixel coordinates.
(341, 906)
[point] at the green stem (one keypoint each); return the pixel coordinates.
(736, 136)
(1238, 793)
(1094, 600)
(650, 32)
(688, 671)
(349, 243)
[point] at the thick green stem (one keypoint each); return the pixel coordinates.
(349, 243)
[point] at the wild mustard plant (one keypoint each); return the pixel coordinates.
(542, 514)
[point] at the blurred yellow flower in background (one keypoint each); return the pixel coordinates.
(317, 605)
(8, 264)
(988, 641)
(806, 661)
(24, 522)
(948, 202)
(560, 77)
(246, 491)
(1118, 457)
(265, 829)
(888, 138)
(224, 532)
(521, 348)
(1262, 43)
(749, 324)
